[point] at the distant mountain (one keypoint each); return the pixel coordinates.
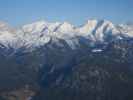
(59, 60)
(42, 32)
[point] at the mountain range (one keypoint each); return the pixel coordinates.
(59, 60)
(42, 32)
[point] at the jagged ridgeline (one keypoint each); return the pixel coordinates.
(58, 61)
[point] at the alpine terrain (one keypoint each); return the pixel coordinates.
(59, 61)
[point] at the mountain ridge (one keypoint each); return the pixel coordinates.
(41, 32)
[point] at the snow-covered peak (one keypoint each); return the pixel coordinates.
(53, 26)
(103, 29)
(35, 27)
(40, 26)
(4, 27)
(88, 27)
(66, 28)
(126, 29)
(7, 34)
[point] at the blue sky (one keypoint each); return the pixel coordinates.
(19, 12)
